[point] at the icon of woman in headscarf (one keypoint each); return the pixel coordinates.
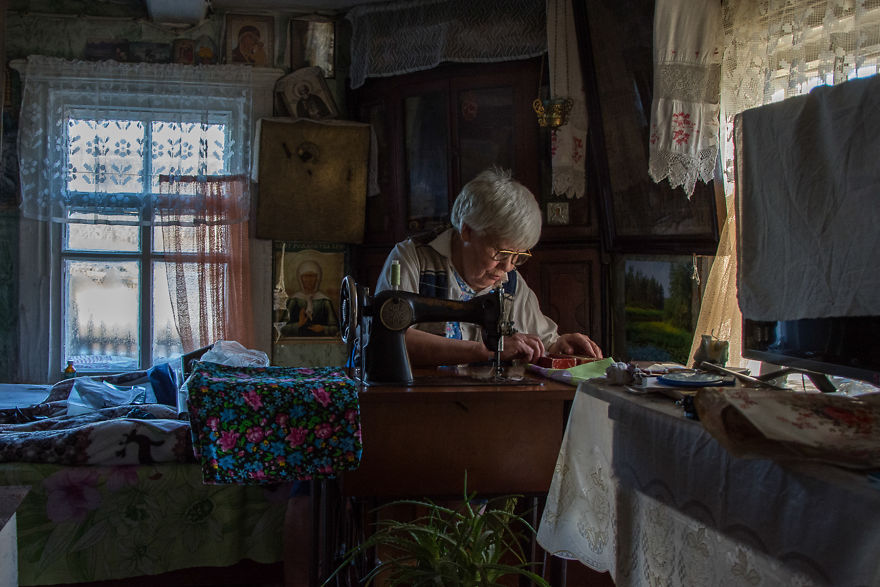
(310, 311)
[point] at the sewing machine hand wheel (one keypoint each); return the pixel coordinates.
(348, 306)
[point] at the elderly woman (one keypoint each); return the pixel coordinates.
(496, 220)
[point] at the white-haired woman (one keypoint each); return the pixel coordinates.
(496, 220)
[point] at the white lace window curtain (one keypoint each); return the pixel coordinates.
(393, 38)
(775, 49)
(83, 139)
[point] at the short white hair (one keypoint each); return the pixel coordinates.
(496, 205)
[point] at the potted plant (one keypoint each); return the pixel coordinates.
(472, 545)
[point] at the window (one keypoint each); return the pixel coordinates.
(116, 310)
(138, 176)
(773, 51)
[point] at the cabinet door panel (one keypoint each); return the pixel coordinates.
(439, 129)
(566, 281)
(427, 151)
(485, 132)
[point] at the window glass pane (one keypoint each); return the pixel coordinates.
(427, 135)
(105, 156)
(189, 236)
(100, 316)
(190, 288)
(485, 130)
(187, 148)
(102, 237)
(166, 340)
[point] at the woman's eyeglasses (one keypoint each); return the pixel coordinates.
(515, 257)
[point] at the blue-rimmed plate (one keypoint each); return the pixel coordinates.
(690, 379)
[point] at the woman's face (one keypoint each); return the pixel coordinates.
(309, 282)
(478, 268)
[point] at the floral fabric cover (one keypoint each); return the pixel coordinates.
(794, 426)
(254, 425)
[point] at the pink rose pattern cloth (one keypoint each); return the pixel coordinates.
(254, 425)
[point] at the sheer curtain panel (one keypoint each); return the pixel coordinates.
(206, 264)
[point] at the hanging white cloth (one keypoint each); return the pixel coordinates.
(569, 142)
(808, 204)
(685, 104)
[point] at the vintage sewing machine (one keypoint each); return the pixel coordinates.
(376, 325)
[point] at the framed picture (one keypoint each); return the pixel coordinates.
(183, 51)
(147, 52)
(102, 50)
(206, 51)
(306, 95)
(640, 216)
(307, 278)
(313, 43)
(250, 40)
(656, 309)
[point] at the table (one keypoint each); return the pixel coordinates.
(648, 495)
(420, 440)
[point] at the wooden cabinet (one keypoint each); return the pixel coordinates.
(436, 130)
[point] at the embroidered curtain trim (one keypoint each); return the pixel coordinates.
(96, 136)
(685, 105)
(394, 38)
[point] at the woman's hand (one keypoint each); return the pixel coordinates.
(527, 347)
(575, 343)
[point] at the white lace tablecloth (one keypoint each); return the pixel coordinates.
(652, 498)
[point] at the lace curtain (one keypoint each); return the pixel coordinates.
(207, 263)
(393, 38)
(684, 109)
(151, 144)
(82, 145)
(775, 49)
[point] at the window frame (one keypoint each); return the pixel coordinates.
(146, 254)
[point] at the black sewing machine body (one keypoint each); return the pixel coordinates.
(379, 323)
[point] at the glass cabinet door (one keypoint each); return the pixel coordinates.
(427, 152)
(437, 130)
(484, 121)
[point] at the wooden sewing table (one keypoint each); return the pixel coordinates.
(419, 441)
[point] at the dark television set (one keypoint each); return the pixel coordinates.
(846, 346)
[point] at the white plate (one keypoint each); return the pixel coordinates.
(690, 379)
